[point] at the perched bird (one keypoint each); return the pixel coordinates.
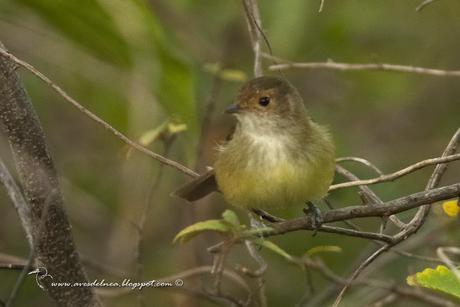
(276, 158)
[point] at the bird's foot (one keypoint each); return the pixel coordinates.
(315, 215)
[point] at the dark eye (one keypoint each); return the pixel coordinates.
(264, 101)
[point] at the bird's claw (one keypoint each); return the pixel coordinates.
(315, 215)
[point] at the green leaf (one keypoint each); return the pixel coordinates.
(174, 128)
(151, 135)
(210, 225)
(276, 249)
(231, 218)
(322, 249)
(86, 23)
(440, 279)
(233, 75)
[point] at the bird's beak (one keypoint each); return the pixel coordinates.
(233, 108)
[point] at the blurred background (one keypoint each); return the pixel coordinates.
(162, 72)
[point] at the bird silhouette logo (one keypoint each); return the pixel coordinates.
(40, 274)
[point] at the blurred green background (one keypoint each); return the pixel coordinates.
(142, 64)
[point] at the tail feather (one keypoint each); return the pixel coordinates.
(198, 188)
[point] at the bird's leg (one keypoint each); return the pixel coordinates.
(315, 215)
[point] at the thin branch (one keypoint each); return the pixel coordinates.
(255, 31)
(321, 6)
(442, 251)
(356, 233)
(362, 161)
(405, 171)
(33, 251)
(190, 273)
(386, 209)
(356, 273)
(417, 221)
(20, 204)
(258, 274)
(414, 225)
(7, 55)
(368, 66)
(422, 5)
(415, 293)
(369, 196)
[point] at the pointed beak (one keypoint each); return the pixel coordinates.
(233, 108)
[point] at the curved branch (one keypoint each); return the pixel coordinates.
(405, 171)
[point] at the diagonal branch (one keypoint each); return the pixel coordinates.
(386, 209)
(7, 55)
(54, 247)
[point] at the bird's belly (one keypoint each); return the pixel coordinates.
(267, 185)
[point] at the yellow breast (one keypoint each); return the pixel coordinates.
(265, 173)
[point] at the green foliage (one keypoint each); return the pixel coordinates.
(228, 224)
(276, 249)
(230, 217)
(165, 129)
(86, 23)
(176, 88)
(233, 75)
(175, 85)
(210, 225)
(440, 279)
(95, 27)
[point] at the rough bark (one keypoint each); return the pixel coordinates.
(54, 246)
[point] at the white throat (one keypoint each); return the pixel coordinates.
(270, 142)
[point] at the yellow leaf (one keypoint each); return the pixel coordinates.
(440, 279)
(323, 248)
(451, 207)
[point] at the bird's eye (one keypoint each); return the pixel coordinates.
(264, 101)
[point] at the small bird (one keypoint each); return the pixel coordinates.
(276, 157)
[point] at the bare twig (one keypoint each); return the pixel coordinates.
(258, 274)
(415, 293)
(369, 196)
(362, 161)
(442, 254)
(405, 171)
(143, 218)
(7, 55)
(255, 31)
(386, 209)
(422, 5)
(19, 203)
(368, 66)
(191, 273)
(356, 273)
(417, 221)
(356, 233)
(321, 6)
(33, 251)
